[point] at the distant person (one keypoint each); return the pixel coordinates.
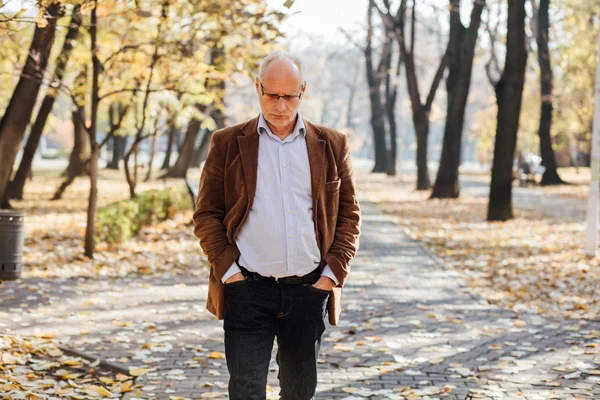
(278, 218)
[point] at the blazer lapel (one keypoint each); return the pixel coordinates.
(316, 159)
(248, 144)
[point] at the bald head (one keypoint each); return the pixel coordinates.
(282, 62)
(280, 87)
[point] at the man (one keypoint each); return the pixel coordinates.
(278, 218)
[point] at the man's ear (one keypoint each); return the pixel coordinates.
(257, 85)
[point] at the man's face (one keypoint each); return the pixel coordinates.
(280, 92)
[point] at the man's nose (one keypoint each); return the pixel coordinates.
(280, 104)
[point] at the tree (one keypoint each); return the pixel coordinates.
(374, 79)
(19, 110)
(116, 114)
(509, 93)
(132, 178)
(90, 242)
(542, 23)
(420, 110)
(391, 94)
(15, 189)
(461, 50)
(80, 155)
(172, 129)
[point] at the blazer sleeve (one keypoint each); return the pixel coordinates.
(210, 210)
(346, 241)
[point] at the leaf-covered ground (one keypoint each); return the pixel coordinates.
(533, 263)
(36, 368)
(32, 365)
(51, 252)
(137, 305)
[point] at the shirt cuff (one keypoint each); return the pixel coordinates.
(328, 273)
(234, 269)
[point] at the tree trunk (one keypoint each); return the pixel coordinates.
(116, 115)
(420, 111)
(79, 159)
(119, 145)
(377, 110)
(140, 128)
(152, 150)
(550, 176)
(461, 50)
(19, 109)
(509, 94)
(202, 149)
(81, 149)
(422, 133)
(15, 189)
(350, 106)
(172, 133)
(186, 154)
(129, 176)
(391, 92)
(90, 230)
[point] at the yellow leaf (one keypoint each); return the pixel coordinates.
(93, 389)
(122, 377)
(9, 359)
(40, 19)
(126, 387)
(138, 371)
(87, 8)
(216, 355)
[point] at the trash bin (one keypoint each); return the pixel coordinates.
(11, 244)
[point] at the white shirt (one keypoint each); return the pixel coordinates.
(278, 237)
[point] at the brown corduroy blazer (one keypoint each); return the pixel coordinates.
(227, 187)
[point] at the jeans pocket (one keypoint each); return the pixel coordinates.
(320, 291)
(236, 283)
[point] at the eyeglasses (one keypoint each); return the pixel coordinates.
(275, 97)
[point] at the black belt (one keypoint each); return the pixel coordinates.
(310, 278)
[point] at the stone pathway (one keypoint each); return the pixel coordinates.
(410, 329)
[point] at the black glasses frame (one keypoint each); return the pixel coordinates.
(276, 97)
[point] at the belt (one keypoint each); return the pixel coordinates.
(310, 278)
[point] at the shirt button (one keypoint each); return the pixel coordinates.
(290, 235)
(285, 189)
(291, 259)
(289, 212)
(283, 165)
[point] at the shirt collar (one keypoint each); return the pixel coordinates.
(299, 128)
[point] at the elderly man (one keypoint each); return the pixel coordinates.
(278, 218)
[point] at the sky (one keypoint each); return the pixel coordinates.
(323, 17)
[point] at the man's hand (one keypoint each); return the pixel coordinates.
(235, 277)
(324, 283)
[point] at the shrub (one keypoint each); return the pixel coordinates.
(124, 219)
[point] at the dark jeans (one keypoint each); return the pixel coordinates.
(257, 312)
